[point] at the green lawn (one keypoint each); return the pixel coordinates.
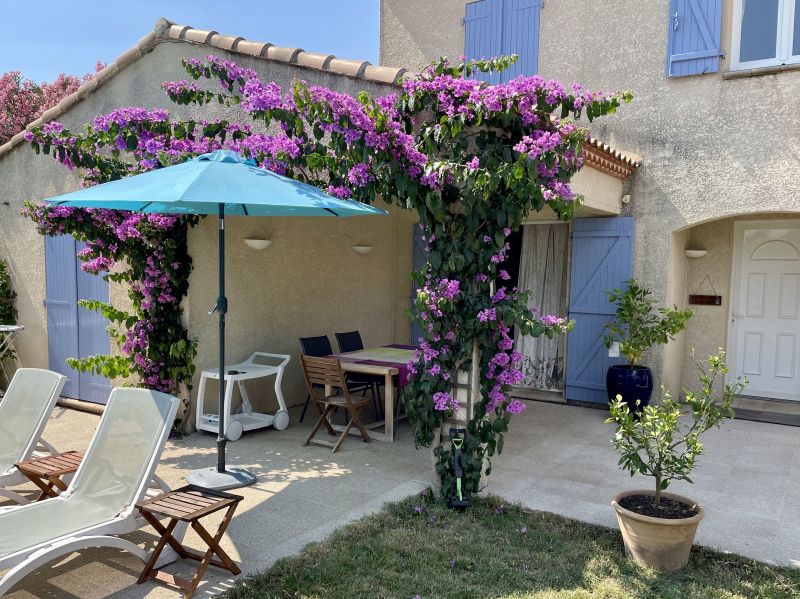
(417, 547)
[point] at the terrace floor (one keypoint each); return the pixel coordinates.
(557, 458)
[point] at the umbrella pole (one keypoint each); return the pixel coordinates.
(222, 476)
(222, 309)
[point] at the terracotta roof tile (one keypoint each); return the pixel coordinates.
(177, 32)
(603, 157)
(253, 48)
(147, 40)
(128, 56)
(226, 42)
(283, 54)
(351, 68)
(599, 155)
(383, 74)
(201, 36)
(315, 60)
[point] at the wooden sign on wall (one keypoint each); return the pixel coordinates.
(706, 300)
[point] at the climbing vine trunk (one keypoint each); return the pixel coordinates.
(467, 389)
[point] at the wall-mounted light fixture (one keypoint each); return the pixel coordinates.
(362, 249)
(695, 253)
(258, 244)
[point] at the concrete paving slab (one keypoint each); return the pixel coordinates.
(557, 458)
(302, 495)
(747, 480)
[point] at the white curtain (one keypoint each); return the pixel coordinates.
(542, 272)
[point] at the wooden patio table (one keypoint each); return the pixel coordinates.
(188, 504)
(46, 472)
(389, 361)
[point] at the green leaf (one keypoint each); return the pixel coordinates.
(500, 426)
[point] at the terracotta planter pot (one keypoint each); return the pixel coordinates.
(660, 543)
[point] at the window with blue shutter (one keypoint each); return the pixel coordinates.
(602, 260)
(521, 36)
(497, 27)
(694, 37)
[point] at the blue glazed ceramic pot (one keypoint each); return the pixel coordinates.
(631, 382)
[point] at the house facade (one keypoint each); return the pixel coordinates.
(715, 86)
(310, 281)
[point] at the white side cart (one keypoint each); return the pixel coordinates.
(247, 419)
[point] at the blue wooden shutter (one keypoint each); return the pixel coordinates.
(521, 36)
(93, 338)
(693, 46)
(61, 292)
(602, 257)
(483, 33)
(418, 260)
(73, 331)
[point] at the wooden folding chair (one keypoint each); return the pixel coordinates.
(322, 373)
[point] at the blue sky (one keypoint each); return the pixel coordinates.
(42, 38)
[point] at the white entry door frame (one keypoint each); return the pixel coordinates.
(764, 335)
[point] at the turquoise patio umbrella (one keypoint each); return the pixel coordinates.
(221, 183)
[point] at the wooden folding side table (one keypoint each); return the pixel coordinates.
(47, 472)
(188, 504)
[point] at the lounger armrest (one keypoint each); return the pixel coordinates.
(47, 446)
(158, 482)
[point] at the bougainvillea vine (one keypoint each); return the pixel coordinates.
(472, 160)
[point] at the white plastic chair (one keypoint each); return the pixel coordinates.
(24, 411)
(99, 503)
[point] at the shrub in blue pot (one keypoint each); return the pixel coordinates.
(637, 326)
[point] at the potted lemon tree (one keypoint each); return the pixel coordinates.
(663, 441)
(637, 327)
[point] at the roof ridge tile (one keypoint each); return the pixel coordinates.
(201, 36)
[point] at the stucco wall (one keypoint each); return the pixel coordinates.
(673, 353)
(310, 281)
(711, 147)
(416, 32)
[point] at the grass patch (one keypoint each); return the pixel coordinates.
(418, 547)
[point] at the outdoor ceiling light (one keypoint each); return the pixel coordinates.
(258, 244)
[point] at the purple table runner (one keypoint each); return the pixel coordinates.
(402, 369)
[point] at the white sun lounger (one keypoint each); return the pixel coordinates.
(24, 411)
(100, 501)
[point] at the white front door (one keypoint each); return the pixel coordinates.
(765, 313)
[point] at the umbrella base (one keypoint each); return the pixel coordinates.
(232, 478)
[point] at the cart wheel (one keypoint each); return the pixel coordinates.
(234, 432)
(281, 420)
